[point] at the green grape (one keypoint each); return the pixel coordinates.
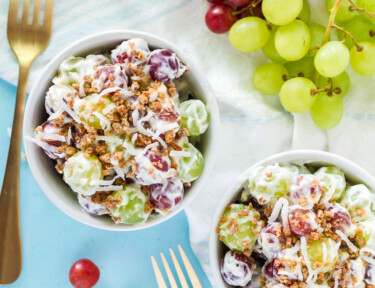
(296, 95)
(317, 32)
(343, 13)
(73, 69)
(270, 50)
(85, 107)
(79, 171)
(292, 41)
(327, 111)
(281, 12)
(269, 77)
(341, 83)
(315, 253)
(360, 27)
(358, 197)
(332, 59)
(249, 34)
(369, 5)
(267, 184)
(363, 62)
(189, 167)
(239, 225)
(332, 180)
(131, 205)
(365, 233)
(305, 12)
(194, 117)
(301, 68)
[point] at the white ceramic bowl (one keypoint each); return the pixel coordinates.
(352, 171)
(43, 168)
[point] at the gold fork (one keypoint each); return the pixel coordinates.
(27, 42)
(189, 269)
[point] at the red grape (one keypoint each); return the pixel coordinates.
(236, 268)
(49, 128)
(84, 274)
(166, 195)
(300, 221)
(163, 65)
(270, 238)
(219, 18)
(341, 218)
(269, 270)
(131, 52)
(158, 161)
(109, 76)
(238, 3)
(306, 186)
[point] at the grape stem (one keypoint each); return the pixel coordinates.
(331, 22)
(329, 88)
(354, 7)
(312, 50)
(347, 33)
(249, 7)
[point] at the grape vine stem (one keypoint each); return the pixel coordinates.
(347, 33)
(249, 7)
(331, 22)
(363, 10)
(329, 88)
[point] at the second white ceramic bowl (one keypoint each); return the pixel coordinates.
(43, 168)
(352, 171)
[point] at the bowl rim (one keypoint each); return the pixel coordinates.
(90, 43)
(295, 156)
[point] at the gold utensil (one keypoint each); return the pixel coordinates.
(189, 269)
(27, 42)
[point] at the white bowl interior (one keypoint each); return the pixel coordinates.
(43, 168)
(353, 173)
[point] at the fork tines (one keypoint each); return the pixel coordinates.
(189, 269)
(48, 11)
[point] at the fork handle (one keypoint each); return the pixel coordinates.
(10, 229)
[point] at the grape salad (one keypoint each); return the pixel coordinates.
(122, 137)
(299, 228)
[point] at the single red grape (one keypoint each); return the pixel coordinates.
(341, 218)
(84, 274)
(166, 195)
(238, 3)
(163, 65)
(236, 268)
(219, 18)
(300, 221)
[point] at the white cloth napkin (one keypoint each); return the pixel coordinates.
(253, 126)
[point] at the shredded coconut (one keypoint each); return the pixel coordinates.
(347, 241)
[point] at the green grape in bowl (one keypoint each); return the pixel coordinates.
(190, 165)
(194, 117)
(267, 184)
(83, 173)
(318, 259)
(358, 199)
(333, 181)
(74, 69)
(239, 227)
(93, 110)
(131, 206)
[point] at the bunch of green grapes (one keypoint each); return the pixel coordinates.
(306, 68)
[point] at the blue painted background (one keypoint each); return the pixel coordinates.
(52, 241)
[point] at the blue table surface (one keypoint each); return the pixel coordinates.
(52, 241)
